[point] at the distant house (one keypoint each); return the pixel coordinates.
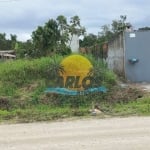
(7, 54)
(129, 55)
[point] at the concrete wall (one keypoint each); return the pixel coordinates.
(137, 45)
(125, 49)
(115, 57)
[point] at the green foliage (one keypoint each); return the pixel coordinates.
(89, 40)
(3, 41)
(54, 36)
(6, 44)
(75, 26)
(107, 33)
(23, 82)
(41, 113)
(13, 41)
(20, 72)
(45, 38)
(119, 25)
(7, 88)
(63, 28)
(54, 69)
(63, 49)
(139, 107)
(24, 49)
(144, 29)
(102, 75)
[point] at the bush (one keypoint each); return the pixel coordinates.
(102, 75)
(5, 103)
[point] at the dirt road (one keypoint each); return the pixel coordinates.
(131, 133)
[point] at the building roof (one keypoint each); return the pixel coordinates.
(7, 51)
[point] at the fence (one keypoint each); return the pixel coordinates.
(98, 51)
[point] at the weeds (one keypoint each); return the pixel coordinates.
(22, 96)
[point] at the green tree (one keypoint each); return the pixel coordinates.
(108, 32)
(88, 40)
(75, 27)
(19, 50)
(67, 31)
(63, 27)
(13, 40)
(54, 36)
(144, 28)
(24, 49)
(3, 41)
(119, 25)
(7, 44)
(62, 23)
(45, 38)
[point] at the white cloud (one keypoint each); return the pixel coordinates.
(21, 17)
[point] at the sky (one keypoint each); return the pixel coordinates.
(22, 17)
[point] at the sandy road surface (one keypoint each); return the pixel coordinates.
(131, 133)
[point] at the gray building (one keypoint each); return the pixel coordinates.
(129, 55)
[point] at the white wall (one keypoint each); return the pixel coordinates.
(74, 45)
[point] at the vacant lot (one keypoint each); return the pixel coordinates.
(131, 133)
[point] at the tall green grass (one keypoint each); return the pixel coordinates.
(22, 85)
(15, 74)
(23, 82)
(20, 71)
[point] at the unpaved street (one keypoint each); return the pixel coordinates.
(131, 133)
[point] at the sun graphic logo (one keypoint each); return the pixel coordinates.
(75, 75)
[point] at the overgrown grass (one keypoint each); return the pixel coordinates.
(41, 113)
(15, 74)
(46, 112)
(101, 73)
(22, 97)
(137, 107)
(19, 73)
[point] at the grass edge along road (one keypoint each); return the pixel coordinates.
(140, 107)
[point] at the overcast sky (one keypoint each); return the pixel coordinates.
(21, 17)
